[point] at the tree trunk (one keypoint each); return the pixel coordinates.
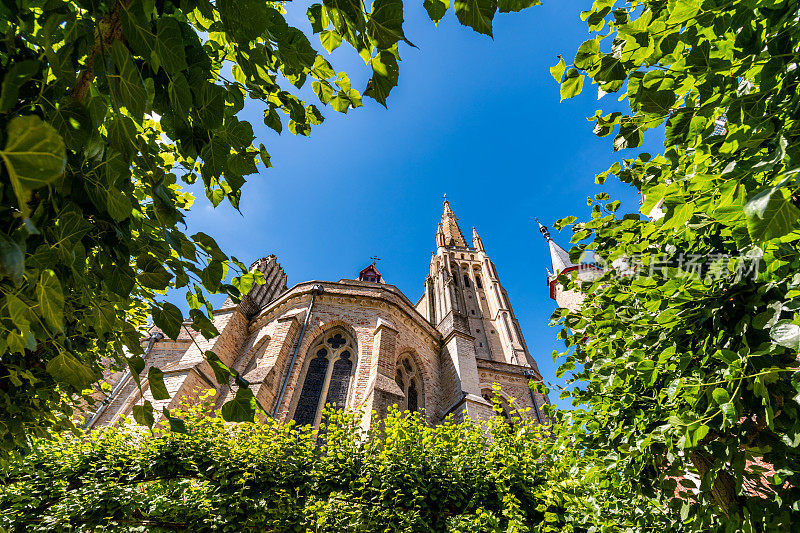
(724, 488)
(109, 29)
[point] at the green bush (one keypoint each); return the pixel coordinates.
(401, 475)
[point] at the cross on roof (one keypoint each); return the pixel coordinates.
(375, 258)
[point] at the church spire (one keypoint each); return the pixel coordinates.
(558, 256)
(452, 233)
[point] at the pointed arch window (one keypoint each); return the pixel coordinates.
(478, 281)
(327, 379)
(506, 408)
(409, 379)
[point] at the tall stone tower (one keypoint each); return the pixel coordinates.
(466, 302)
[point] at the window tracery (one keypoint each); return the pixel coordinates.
(409, 379)
(327, 377)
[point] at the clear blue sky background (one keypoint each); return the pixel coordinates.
(477, 118)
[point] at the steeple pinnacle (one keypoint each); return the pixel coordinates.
(477, 242)
(452, 233)
(439, 235)
(558, 256)
(544, 230)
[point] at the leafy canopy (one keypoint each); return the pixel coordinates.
(678, 368)
(402, 475)
(107, 110)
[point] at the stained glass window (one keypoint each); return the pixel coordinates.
(413, 397)
(340, 381)
(327, 378)
(306, 411)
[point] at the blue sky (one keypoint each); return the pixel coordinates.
(476, 118)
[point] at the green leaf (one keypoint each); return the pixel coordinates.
(682, 10)
(323, 90)
(296, 51)
(557, 70)
(127, 87)
(73, 123)
(117, 204)
(210, 104)
(384, 77)
(677, 128)
(508, 6)
(210, 246)
(768, 318)
(221, 371)
(152, 273)
(572, 84)
(67, 369)
(143, 414)
(242, 408)
(19, 312)
(272, 119)
(266, 159)
(16, 76)
(70, 227)
(699, 434)
(51, 299)
(347, 17)
(213, 274)
(477, 14)
(168, 45)
(136, 365)
(436, 9)
(786, 333)
(34, 156)
(587, 52)
(122, 135)
(721, 396)
(330, 40)
(138, 31)
(180, 96)
(319, 21)
(215, 156)
(729, 412)
(104, 317)
(201, 323)
(167, 318)
(385, 23)
(176, 425)
(155, 378)
(244, 19)
(770, 214)
(12, 260)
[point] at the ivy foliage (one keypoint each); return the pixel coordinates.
(684, 354)
(107, 110)
(402, 475)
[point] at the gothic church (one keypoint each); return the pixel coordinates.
(357, 343)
